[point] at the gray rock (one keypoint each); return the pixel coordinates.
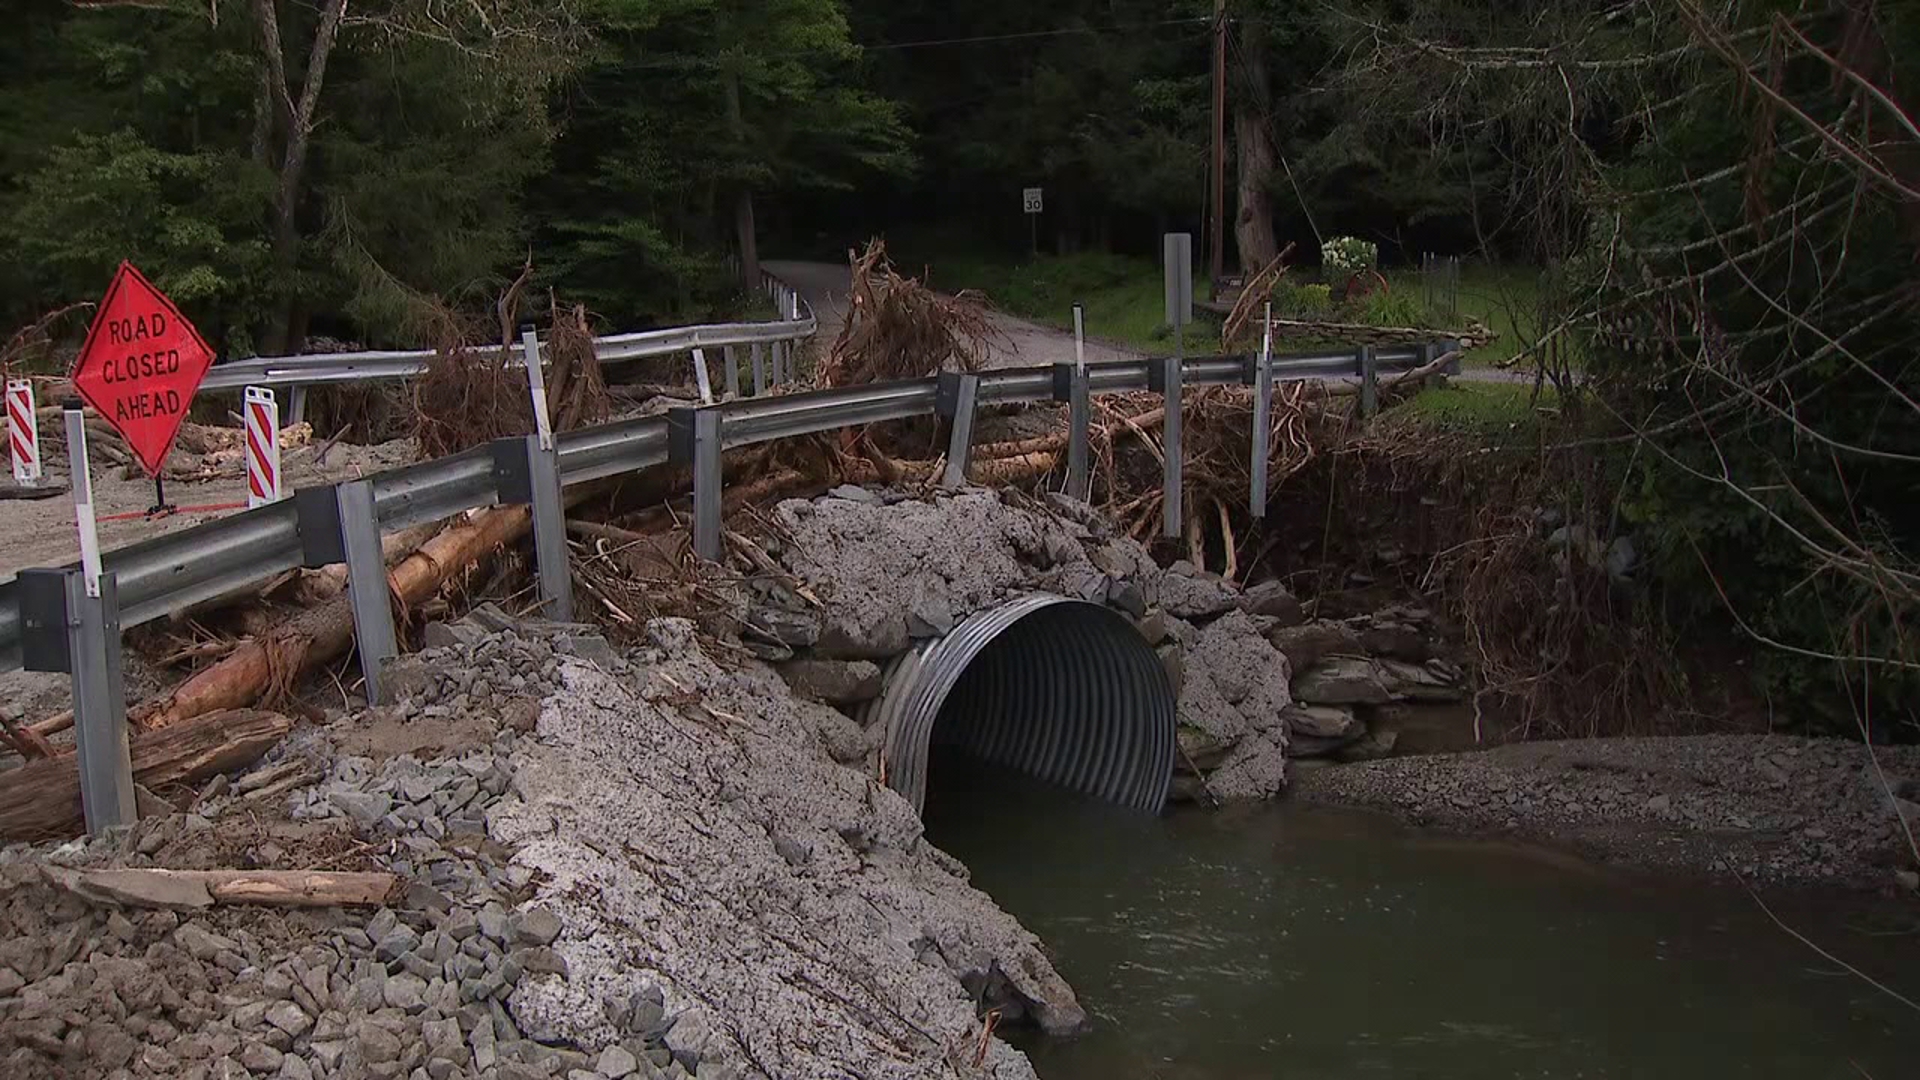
(534, 926)
(442, 635)
(493, 923)
(1127, 597)
(615, 1062)
(783, 627)
(376, 1043)
(201, 943)
(834, 682)
(1342, 680)
(874, 636)
(364, 807)
(796, 852)
(851, 493)
(1272, 600)
(1307, 644)
(289, 1018)
(398, 942)
(295, 1067)
(930, 616)
(1417, 682)
(1323, 721)
(260, 1059)
(407, 992)
(1192, 594)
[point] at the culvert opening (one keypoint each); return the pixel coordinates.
(1062, 691)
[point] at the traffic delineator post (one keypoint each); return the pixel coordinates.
(264, 482)
(23, 433)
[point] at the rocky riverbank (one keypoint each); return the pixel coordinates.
(1773, 809)
(609, 864)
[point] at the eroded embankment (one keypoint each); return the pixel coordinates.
(664, 874)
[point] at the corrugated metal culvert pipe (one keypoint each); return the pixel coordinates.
(1063, 690)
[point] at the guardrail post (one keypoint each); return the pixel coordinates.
(701, 377)
(759, 370)
(1171, 520)
(959, 393)
(694, 438)
(1369, 381)
(526, 474)
(366, 583)
(1452, 345)
(65, 630)
(296, 406)
(730, 363)
(1072, 385)
(1262, 421)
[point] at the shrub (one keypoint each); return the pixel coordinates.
(1345, 256)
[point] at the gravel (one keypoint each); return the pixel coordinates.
(1764, 807)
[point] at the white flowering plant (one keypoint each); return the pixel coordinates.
(1345, 256)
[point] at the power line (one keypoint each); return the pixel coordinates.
(1062, 32)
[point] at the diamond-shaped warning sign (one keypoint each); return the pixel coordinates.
(141, 365)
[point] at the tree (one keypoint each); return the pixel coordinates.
(690, 113)
(199, 136)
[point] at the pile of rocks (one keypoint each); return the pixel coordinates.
(1345, 672)
(872, 573)
(661, 872)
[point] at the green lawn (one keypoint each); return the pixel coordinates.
(1124, 300)
(1486, 409)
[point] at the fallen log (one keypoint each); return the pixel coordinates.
(42, 798)
(320, 634)
(183, 890)
(321, 585)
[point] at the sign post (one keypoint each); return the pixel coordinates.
(1080, 337)
(1032, 201)
(23, 433)
(139, 369)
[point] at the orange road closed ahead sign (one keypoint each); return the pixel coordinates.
(141, 365)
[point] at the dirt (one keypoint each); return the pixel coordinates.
(42, 533)
(381, 734)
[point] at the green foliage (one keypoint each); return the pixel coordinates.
(1390, 307)
(762, 95)
(1302, 300)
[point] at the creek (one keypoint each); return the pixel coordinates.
(1318, 944)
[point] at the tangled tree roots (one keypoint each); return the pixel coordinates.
(897, 328)
(470, 395)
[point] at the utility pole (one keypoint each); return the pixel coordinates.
(1217, 162)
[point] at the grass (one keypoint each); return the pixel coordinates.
(1484, 409)
(1503, 297)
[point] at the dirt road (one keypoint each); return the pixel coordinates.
(42, 532)
(825, 286)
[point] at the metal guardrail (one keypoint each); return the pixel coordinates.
(797, 322)
(169, 573)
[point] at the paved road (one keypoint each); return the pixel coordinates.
(825, 286)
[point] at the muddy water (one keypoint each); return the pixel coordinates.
(1324, 945)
